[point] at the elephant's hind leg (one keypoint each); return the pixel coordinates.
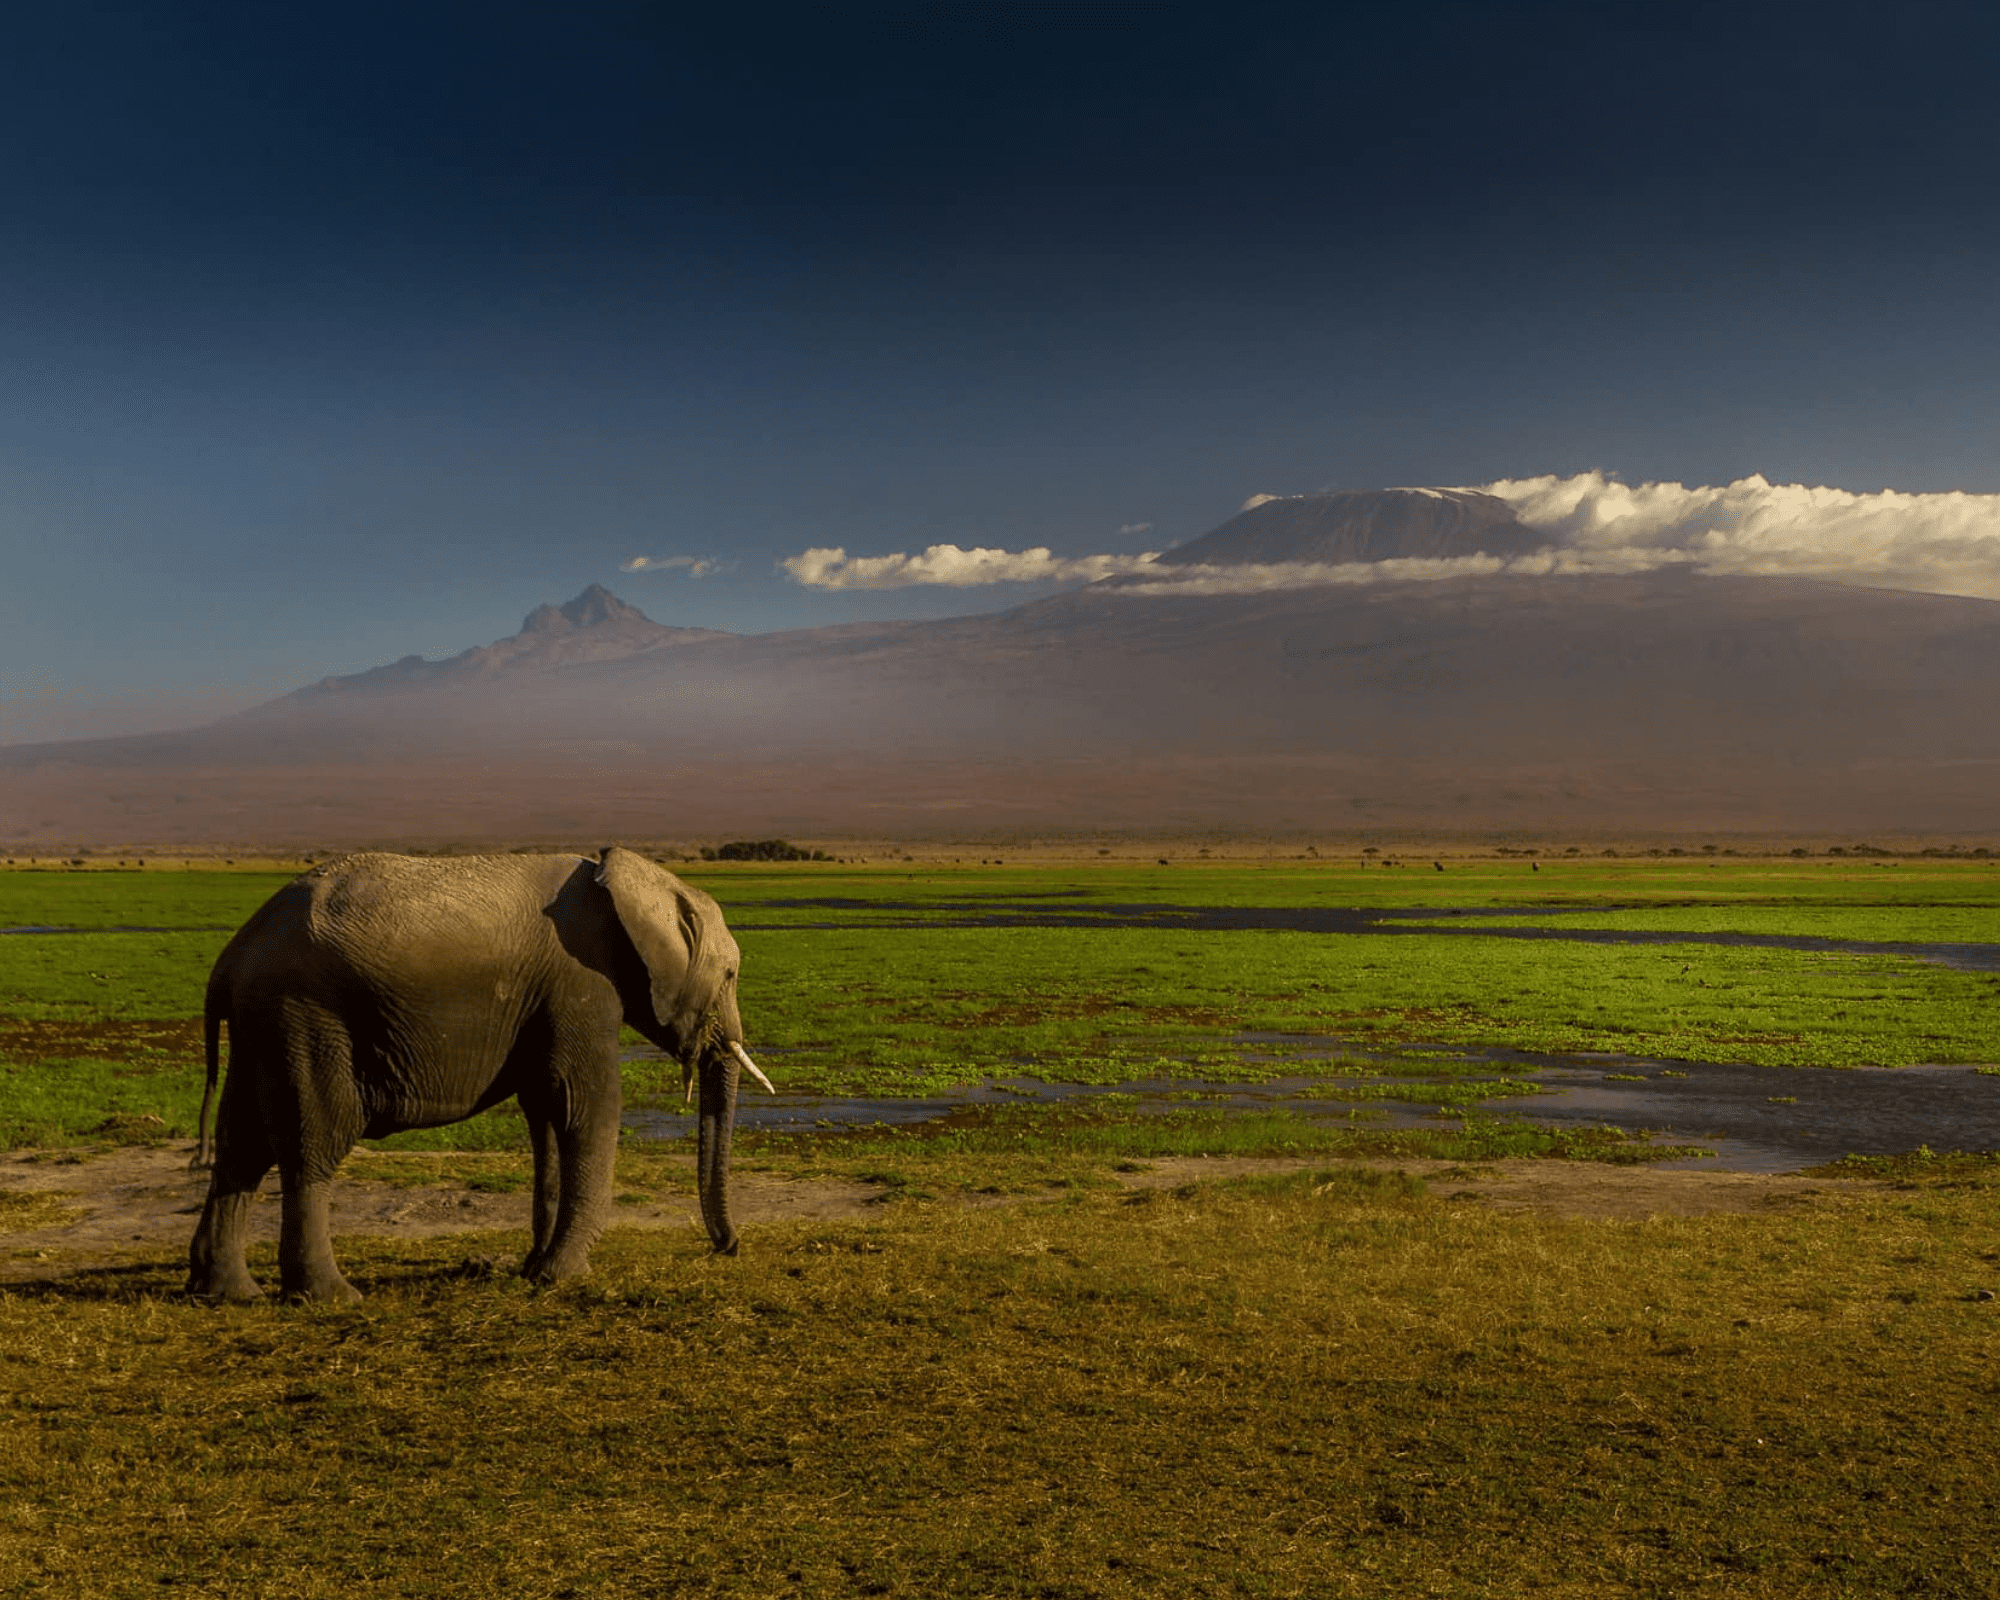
(548, 1181)
(315, 1115)
(217, 1269)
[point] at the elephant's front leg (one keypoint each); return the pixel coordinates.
(586, 1143)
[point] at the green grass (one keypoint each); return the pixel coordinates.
(848, 1010)
(1332, 1383)
(97, 1027)
(894, 1008)
(167, 897)
(762, 893)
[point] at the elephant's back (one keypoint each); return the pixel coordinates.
(393, 906)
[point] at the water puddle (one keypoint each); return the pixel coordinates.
(942, 914)
(1755, 1119)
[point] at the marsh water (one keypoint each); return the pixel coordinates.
(1753, 1119)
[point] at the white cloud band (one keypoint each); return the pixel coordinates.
(948, 565)
(1940, 543)
(1945, 543)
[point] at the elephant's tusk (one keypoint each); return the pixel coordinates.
(687, 1083)
(743, 1056)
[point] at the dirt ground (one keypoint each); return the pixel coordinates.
(63, 1214)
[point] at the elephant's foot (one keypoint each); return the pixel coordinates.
(335, 1291)
(320, 1286)
(306, 1265)
(223, 1283)
(216, 1268)
(555, 1264)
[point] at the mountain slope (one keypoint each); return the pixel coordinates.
(1336, 527)
(595, 626)
(1660, 700)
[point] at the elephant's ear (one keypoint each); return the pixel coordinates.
(661, 919)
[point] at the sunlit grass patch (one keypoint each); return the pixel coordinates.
(1924, 1168)
(55, 1101)
(1020, 1149)
(24, 1210)
(502, 1128)
(172, 898)
(92, 977)
(1123, 1004)
(933, 891)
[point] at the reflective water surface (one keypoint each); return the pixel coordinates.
(1755, 1119)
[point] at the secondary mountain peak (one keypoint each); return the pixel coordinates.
(1338, 526)
(595, 626)
(596, 607)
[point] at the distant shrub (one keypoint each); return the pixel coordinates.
(761, 850)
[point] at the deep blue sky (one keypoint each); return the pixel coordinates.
(334, 332)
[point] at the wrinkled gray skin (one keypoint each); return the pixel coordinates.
(381, 992)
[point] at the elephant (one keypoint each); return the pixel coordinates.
(381, 992)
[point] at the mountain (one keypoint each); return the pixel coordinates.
(1363, 525)
(595, 626)
(1543, 704)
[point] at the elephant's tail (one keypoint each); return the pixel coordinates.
(214, 1010)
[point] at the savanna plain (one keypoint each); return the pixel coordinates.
(1073, 1343)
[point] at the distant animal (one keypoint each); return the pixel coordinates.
(382, 992)
(1439, 865)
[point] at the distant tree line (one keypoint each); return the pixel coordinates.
(761, 850)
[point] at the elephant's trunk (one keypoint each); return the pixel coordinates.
(717, 1121)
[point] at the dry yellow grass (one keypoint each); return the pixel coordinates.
(1330, 1383)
